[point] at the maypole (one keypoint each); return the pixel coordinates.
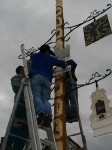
(59, 104)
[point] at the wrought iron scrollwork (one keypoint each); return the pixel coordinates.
(92, 16)
(49, 41)
(96, 13)
(29, 52)
(71, 29)
(93, 77)
(32, 50)
(53, 31)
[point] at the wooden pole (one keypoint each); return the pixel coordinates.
(59, 102)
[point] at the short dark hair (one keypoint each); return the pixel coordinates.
(18, 69)
(46, 47)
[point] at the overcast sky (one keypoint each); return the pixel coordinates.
(30, 22)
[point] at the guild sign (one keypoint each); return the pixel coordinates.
(97, 30)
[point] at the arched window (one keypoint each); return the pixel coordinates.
(100, 107)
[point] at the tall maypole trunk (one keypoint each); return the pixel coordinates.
(59, 103)
(59, 24)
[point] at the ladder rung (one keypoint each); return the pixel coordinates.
(19, 137)
(44, 128)
(73, 105)
(70, 106)
(21, 104)
(74, 134)
(73, 120)
(46, 142)
(82, 148)
(20, 120)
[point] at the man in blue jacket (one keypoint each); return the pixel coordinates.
(71, 101)
(41, 76)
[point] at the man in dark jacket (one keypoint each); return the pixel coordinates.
(41, 74)
(71, 100)
(18, 128)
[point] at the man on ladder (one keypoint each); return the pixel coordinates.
(16, 80)
(28, 127)
(71, 110)
(41, 76)
(18, 127)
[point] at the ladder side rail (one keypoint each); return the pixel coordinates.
(31, 104)
(51, 138)
(35, 124)
(30, 120)
(67, 144)
(12, 115)
(36, 129)
(18, 137)
(20, 120)
(77, 107)
(75, 134)
(26, 147)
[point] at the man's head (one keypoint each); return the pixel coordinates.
(20, 70)
(46, 49)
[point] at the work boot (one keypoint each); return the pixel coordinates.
(47, 121)
(41, 117)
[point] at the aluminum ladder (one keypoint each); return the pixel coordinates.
(71, 145)
(79, 122)
(30, 139)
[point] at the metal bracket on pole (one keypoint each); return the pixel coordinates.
(62, 53)
(57, 72)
